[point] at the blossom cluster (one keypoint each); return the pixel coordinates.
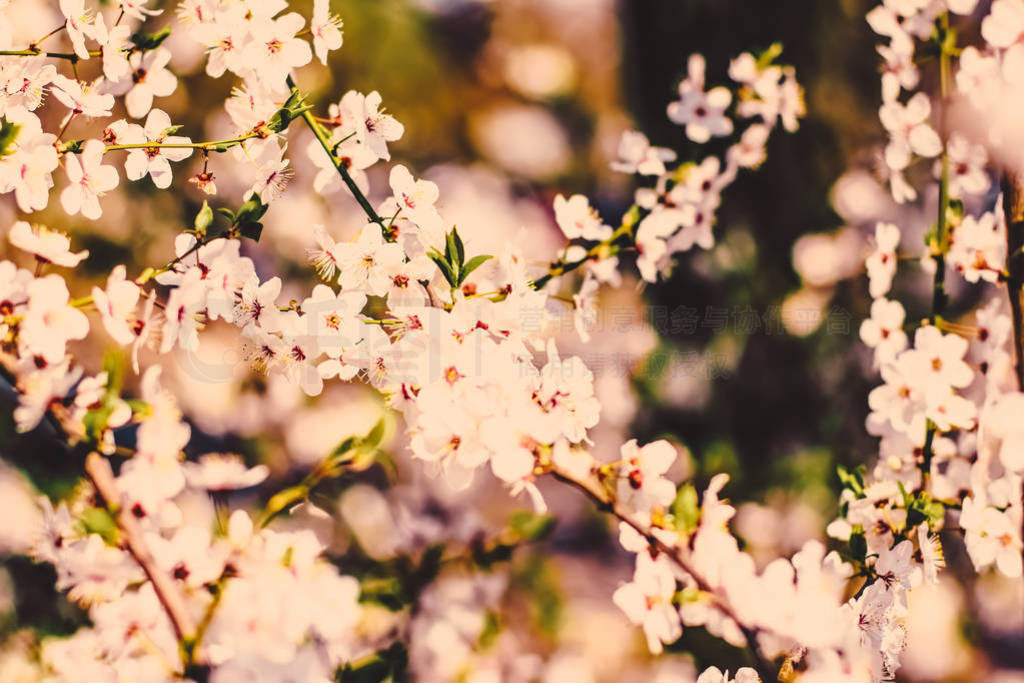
(679, 211)
(943, 412)
(459, 344)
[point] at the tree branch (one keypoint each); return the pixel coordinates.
(99, 472)
(593, 490)
(325, 141)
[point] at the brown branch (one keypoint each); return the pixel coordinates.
(593, 489)
(1013, 207)
(102, 476)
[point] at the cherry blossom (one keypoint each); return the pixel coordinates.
(48, 246)
(154, 161)
(150, 78)
(701, 112)
(89, 179)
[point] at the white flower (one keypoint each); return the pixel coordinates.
(371, 125)
(881, 263)
(89, 180)
(992, 537)
(641, 484)
(78, 25)
(647, 601)
(743, 675)
(415, 199)
(48, 246)
(578, 219)
(1001, 421)
(30, 161)
(333, 319)
(257, 303)
(932, 558)
(81, 98)
(977, 71)
(323, 256)
(274, 51)
(978, 248)
(223, 472)
(364, 262)
(936, 360)
(273, 171)
(137, 9)
(967, 175)
(636, 155)
(909, 131)
(39, 388)
(899, 400)
(225, 39)
(355, 156)
(749, 152)
(883, 331)
(50, 322)
(702, 113)
(115, 45)
(155, 161)
(899, 72)
(150, 78)
(894, 565)
(1004, 25)
(116, 304)
(326, 30)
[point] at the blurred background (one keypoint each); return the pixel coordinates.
(747, 357)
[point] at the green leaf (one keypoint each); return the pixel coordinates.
(95, 421)
(140, 407)
(858, 546)
(227, 213)
(150, 41)
(907, 500)
(460, 249)
(376, 435)
(292, 109)
(73, 146)
(344, 447)
(430, 565)
(472, 265)
(285, 500)
(686, 509)
(100, 521)
(925, 509)
(384, 665)
(852, 479)
(530, 526)
(251, 229)
(171, 130)
(113, 365)
(251, 210)
(8, 134)
(631, 217)
(203, 220)
(491, 630)
(766, 58)
(446, 269)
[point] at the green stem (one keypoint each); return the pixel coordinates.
(324, 138)
(604, 248)
(212, 144)
(947, 43)
(29, 52)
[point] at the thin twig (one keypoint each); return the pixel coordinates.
(325, 141)
(605, 502)
(173, 601)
